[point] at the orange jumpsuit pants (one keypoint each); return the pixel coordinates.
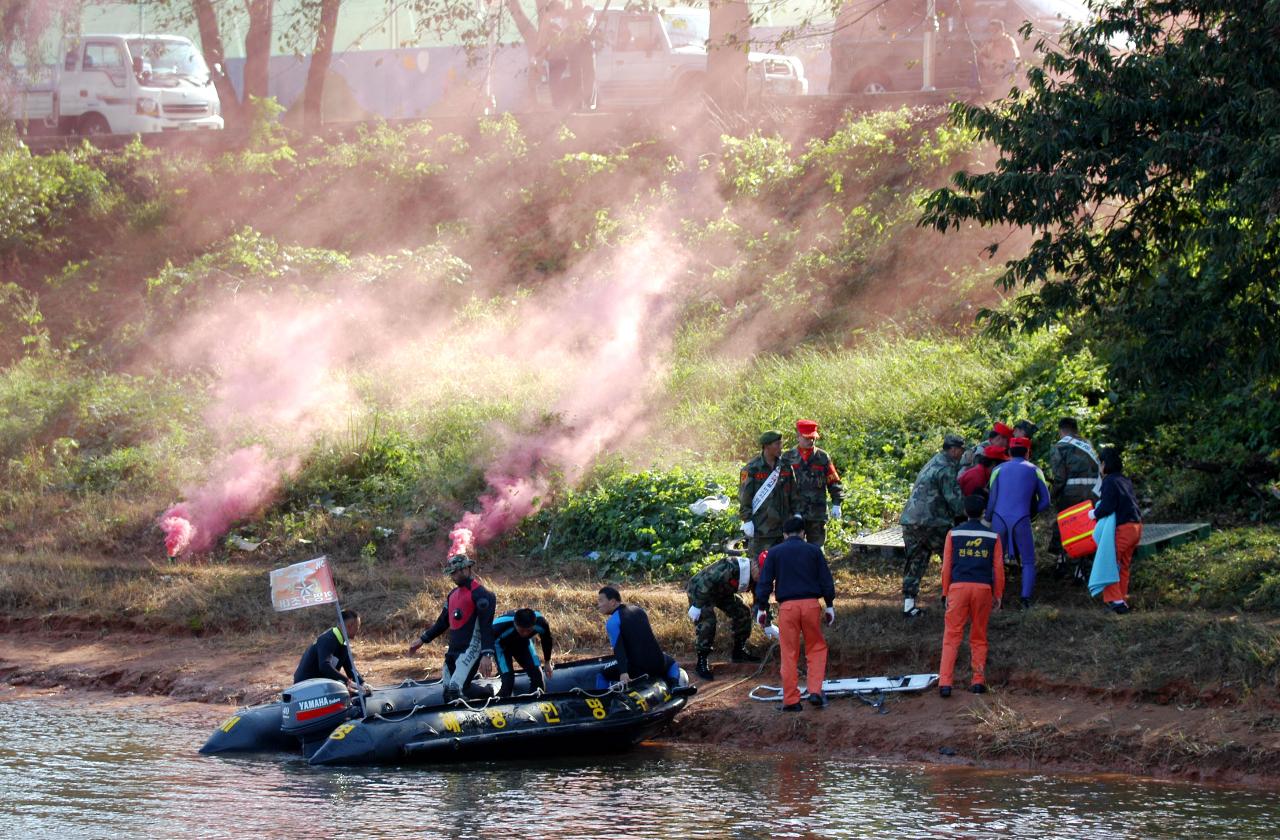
(798, 619)
(1128, 536)
(966, 602)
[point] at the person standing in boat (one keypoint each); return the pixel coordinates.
(635, 648)
(467, 615)
(330, 655)
(513, 634)
(796, 572)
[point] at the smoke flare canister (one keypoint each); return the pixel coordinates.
(1076, 529)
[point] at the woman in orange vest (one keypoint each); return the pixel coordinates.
(972, 584)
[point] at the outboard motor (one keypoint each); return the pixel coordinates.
(314, 708)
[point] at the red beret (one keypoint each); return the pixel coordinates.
(998, 453)
(1002, 430)
(808, 428)
(1025, 443)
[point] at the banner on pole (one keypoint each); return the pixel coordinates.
(304, 584)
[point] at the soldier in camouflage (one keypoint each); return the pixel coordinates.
(716, 588)
(1076, 477)
(764, 495)
(934, 506)
(815, 478)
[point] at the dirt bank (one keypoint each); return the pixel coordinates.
(1023, 724)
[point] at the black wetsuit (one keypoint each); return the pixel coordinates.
(512, 649)
(635, 647)
(324, 658)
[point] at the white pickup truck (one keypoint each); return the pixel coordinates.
(120, 84)
(647, 57)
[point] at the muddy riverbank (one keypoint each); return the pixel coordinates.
(1024, 723)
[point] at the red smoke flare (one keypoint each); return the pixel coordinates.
(240, 486)
(178, 530)
(459, 540)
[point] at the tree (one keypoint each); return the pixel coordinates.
(257, 48)
(206, 16)
(729, 38)
(312, 96)
(1150, 177)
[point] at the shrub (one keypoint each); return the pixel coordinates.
(637, 523)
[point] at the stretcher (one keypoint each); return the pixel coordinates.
(870, 690)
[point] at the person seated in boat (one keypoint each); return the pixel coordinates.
(513, 634)
(330, 655)
(467, 615)
(635, 648)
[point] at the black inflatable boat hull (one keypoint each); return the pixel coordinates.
(575, 721)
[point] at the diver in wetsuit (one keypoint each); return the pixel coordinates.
(330, 655)
(1018, 493)
(513, 634)
(468, 617)
(635, 648)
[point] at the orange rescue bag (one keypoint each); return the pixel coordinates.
(1076, 529)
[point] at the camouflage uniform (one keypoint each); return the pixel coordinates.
(1073, 474)
(935, 505)
(716, 588)
(813, 479)
(775, 510)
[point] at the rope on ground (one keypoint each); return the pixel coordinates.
(768, 654)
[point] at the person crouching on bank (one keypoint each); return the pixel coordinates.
(797, 573)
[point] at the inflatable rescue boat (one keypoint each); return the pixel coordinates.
(411, 721)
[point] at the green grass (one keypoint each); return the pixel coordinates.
(1232, 569)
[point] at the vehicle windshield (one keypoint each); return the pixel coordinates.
(687, 27)
(170, 58)
(1055, 10)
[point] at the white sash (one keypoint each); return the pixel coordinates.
(1083, 446)
(765, 489)
(744, 573)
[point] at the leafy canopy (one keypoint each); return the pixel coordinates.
(1145, 156)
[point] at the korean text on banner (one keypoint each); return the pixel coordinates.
(303, 585)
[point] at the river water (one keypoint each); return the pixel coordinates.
(86, 765)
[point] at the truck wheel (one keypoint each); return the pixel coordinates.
(869, 81)
(93, 124)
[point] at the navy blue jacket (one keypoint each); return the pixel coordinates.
(1117, 497)
(634, 645)
(795, 570)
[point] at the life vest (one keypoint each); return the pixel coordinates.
(462, 604)
(973, 551)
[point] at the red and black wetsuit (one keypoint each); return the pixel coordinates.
(468, 616)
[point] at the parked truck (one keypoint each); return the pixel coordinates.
(645, 57)
(879, 45)
(118, 84)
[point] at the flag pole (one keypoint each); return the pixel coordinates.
(351, 657)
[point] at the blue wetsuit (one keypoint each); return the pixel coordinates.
(1018, 492)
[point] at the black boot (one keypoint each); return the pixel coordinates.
(703, 668)
(741, 654)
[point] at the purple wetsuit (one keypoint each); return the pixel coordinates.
(1018, 492)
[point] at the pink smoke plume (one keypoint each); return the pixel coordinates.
(178, 530)
(460, 540)
(241, 485)
(621, 328)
